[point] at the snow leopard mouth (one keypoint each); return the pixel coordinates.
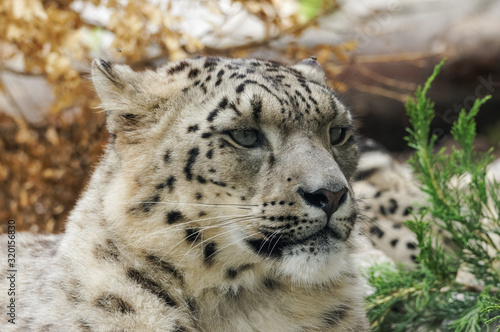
(274, 244)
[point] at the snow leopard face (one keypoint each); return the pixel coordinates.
(238, 166)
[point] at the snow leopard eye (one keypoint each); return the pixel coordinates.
(246, 138)
(338, 135)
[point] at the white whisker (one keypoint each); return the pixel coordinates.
(169, 229)
(239, 206)
(275, 245)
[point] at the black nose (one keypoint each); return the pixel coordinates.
(327, 200)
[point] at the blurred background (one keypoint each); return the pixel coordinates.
(375, 53)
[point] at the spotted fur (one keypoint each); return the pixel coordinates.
(387, 193)
(184, 227)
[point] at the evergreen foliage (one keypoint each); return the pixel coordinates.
(465, 206)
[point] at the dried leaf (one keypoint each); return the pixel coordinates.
(52, 137)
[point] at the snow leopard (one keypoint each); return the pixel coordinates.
(222, 202)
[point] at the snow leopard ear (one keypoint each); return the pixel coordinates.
(124, 96)
(115, 84)
(311, 70)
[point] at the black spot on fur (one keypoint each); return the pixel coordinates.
(166, 157)
(313, 100)
(271, 284)
(84, 325)
(411, 245)
(192, 305)
(375, 230)
(209, 154)
(414, 258)
(178, 68)
(240, 88)
(198, 196)
(382, 210)
(393, 206)
(108, 251)
(193, 73)
(234, 108)
(192, 234)
(394, 242)
(203, 87)
(378, 194)
(147, 205)
(114, 304)
(270, 247)
(335, 316)
(171, 183)
(166, 267)
(192, 129)
(221, 106)
(151, 286)
(271, 160)
(407, 211)
(130, 119)
(193, 153)
(201, 179)
(219, 183)
(174, 216)
(72, 290)
(256, 108)
(232, 273)
(210, 63)
(179, 328)
(223, 103)
(306, 87)
(209, 253)
(301, 96)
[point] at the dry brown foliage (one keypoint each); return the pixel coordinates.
(43, 169)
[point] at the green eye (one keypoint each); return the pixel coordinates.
(246, 138)
(338, 136)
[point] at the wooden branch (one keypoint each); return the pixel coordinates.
(386, 80)
(393, 57)
(380, 91)
(21, 73)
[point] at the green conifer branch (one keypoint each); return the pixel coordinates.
(429, 297)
